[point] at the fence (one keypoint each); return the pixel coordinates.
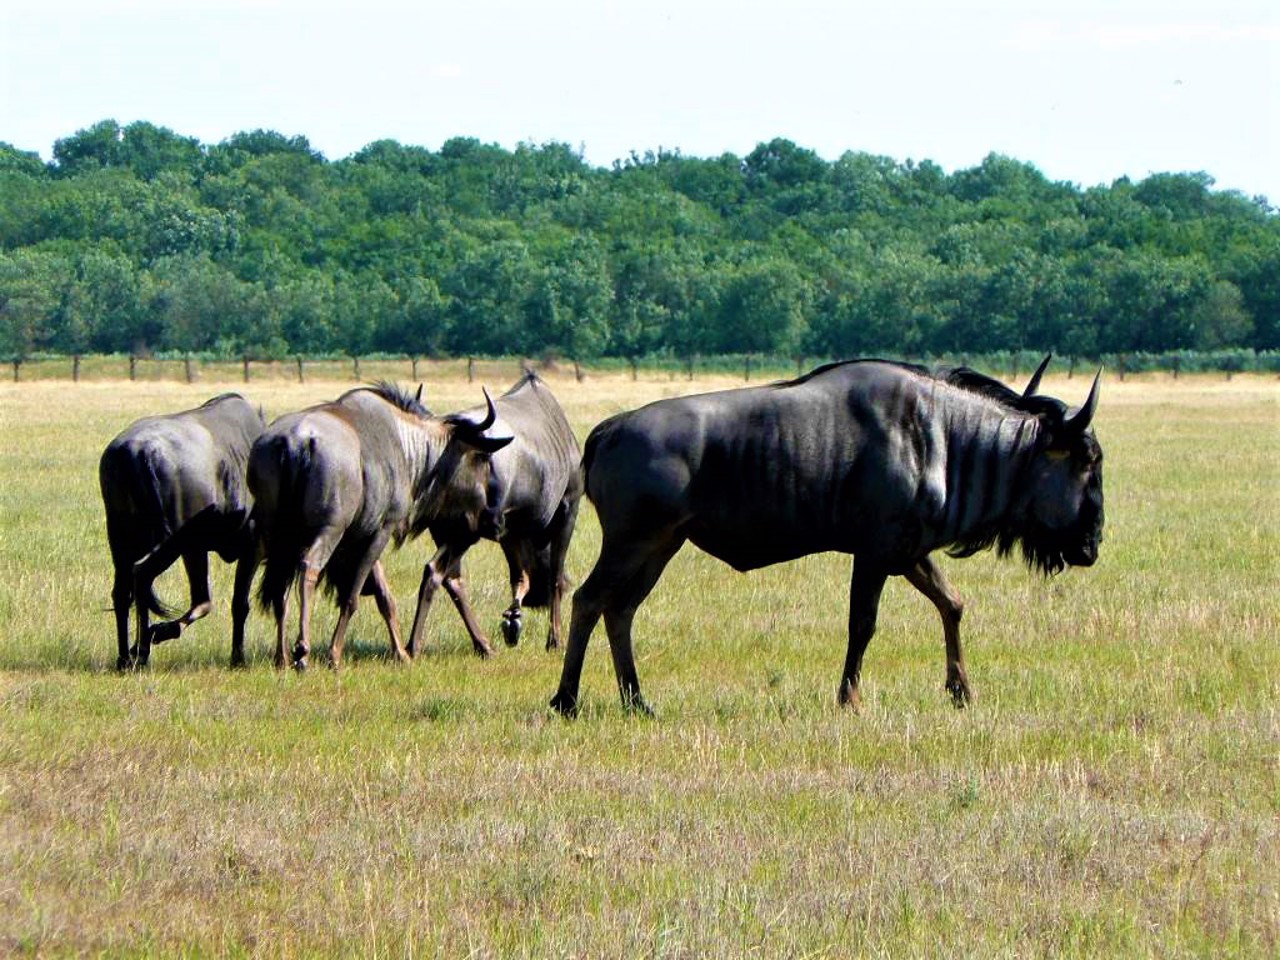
(195, 368)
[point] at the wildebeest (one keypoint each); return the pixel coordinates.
(333, 484)
(536, 487)
(174, 486)
(884, 461)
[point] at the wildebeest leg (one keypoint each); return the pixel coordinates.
(280, 610)
(246, 565)
(561, 534)
(347, 604)
(520, 560)
(445, 568)
(308, 577)
(381, 590)
(623, 576)
(196, 563)
(122, 604)
(145, 572)
(865, 587)
(928, 579)
(456, 588)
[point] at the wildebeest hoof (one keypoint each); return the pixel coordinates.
(634, 703)
(565, 705)
(238, 661)
(961, 696)
(124, 664)
(169, 630)
(511, 624)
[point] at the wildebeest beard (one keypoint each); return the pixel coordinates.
(1043, 549)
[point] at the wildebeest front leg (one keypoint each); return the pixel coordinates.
(865, 587)
(381, 591)
(369, 563)
(445, 569)
(618, 584)
(456, 588)
(928, 579)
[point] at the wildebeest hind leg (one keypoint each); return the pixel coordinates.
(928, 579)
(521, 558)
(865, 587)
(559, 548)
(246, 565)
(122, 604)
(196, 563)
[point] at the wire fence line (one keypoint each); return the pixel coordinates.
(195, 368)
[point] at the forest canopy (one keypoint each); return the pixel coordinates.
(138, 239)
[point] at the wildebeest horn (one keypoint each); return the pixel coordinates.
(1084, 416)
(489, 417)
(418, 398)
(1033, 385)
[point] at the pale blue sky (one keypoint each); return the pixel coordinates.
(1085, 90)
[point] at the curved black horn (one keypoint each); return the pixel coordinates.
(1084, 416)
(1033, 385)
(418, 398)
(489, 417)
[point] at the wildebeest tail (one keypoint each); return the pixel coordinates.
(279, 519)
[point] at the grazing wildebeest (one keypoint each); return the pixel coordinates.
(335, 483)
(884, 461)
(536, 486)
(174, 486)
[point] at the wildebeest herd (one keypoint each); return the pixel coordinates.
(888, 462)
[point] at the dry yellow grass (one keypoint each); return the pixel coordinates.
(1114, 791)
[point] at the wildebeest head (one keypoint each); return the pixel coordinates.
(1061, 510)
(461, 483)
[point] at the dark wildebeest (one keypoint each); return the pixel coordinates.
(335, 483)
(880, 460)
(536, 487)
(174, 486)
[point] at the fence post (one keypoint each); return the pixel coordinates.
(133, 366)
(631, 362)
(75, 369)
(301, 375)
(471, 369)
(246, 369)
(746, 368)
(17, 364)
(414, 366)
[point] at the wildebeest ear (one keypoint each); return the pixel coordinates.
(1033, 385)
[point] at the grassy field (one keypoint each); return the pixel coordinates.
(1115, 789)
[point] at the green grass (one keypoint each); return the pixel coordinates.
(1115, 789)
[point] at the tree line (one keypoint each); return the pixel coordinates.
(135, 239)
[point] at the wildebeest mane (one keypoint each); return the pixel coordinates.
(395, 395)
